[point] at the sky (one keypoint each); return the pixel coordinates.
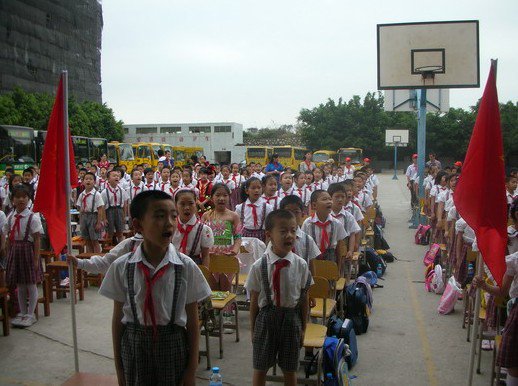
(260, 63)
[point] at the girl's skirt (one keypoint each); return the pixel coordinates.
(20, 264)
(257, 233)
(235, 198)
(508, 353)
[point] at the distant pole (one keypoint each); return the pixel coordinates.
(395, 161)
(421, 148)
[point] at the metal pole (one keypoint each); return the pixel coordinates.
(421, 147)
(71, 270)
(474, 333)
(395, 162)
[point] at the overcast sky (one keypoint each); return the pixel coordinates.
(259, 63)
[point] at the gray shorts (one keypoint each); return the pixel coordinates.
(115, 219)
(87, 224)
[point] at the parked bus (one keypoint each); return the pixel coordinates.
(258, 154)
(321, 157)
(144, 153)
(354, 153)
(190, 151)
(17, 148)
(290, 156)
(86, 149)
(121, 153)
(178, 153)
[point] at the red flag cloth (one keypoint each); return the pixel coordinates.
(480, 193)
(51, 195)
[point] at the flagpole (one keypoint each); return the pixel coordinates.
(68, 193)
(474, 332)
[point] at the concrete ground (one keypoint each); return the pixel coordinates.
(408, 343)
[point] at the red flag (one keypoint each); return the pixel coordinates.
(51, 195)
(480, 194)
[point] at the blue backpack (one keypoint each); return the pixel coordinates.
(334, 362)
(344, 329)
(356, 300)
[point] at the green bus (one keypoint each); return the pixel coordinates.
(17, 148)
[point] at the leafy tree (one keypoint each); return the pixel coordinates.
(87, 118)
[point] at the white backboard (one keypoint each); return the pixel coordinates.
(396, 136)
(437, 100)
(446, 51)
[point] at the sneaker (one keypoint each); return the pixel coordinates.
(65, 282)
(28, 320)
(15, 322)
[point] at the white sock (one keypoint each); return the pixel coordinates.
(511, 381)
(22, 298)
(33, 298)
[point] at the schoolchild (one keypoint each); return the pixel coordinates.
(91, 214)
(149, 183)
(309, 179)
(349, 169)
(164, 184)
(338, 177)
(4, 185)
(24, 270)
(372, 182)
(318, 183)
(300, 189)
(286, 189)
(7, 204)
(350, 205)
(136, 186)
(204, 187)
(103, 179)
(116, 204)
(304, 246)
(254, 209)
(193, 238)
(270, 192)
(238, 179)
(278, 284)
(258, 171)
(512, 229)
(156, 291)
(226, 180)
(158, 171)
(176, 177)
(328, 233)
(362, 196)
(28, 178)
(511, 184)
(9, 171)
(188, 182)
(218, 177)
(124, 174)
(352, 229)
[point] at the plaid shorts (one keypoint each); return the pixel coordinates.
(508, 353)
(87, 224)
(277, 338)
(115, 219)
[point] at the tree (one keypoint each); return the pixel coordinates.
(88, 118)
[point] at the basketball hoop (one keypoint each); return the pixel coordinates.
(428, 72)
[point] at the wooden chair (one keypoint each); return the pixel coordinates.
(469, 305)
(204, 311)
(329, 270)
(53, 269)
(221, 265)
(325, 305)
(45, 299)
(94, 278)
(5, 313)
(79, 245)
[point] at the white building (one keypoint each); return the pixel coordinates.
(222, 142)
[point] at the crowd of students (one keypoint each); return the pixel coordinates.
(179, 216)
(450, 229)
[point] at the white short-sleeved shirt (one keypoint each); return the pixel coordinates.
(193, 286)
(3, 221)
(349, 172)
(510, 197)
(335, 179)
(238, 179)
(274, 201)
(92, 202)
(348, 221)
(149, 186)
(355, 210)
(163, 186)
(303, 193)
(35, 226)
(428, 182)
(305, 246)
(511, 261)
(191, 186)
(319, 185)
(294, 278)
(284, 193)
(109, 194)
(100, 264)
(123, 184)
(411, 172)
(444, 195)
(462, 226)
(512, 237)
(452, 214)
(363, 199)
(248, 222)
(338, 230)
(206, 237)
(230, 184)
(258, 175)
(133, 190)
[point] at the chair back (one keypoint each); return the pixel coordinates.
(325, 268)
(208, 276)
(224, 264)
(320, 289)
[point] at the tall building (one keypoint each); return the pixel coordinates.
(40, 38)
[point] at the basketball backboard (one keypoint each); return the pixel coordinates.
(442, 54)
(437, 100)
(399, 137)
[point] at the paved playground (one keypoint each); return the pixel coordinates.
(408, 342)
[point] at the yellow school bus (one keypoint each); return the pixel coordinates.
(144, 153)
(190, 151)
(322, 157)
(354, 153)
(121, 153)
(290, 156)
(178, 153)
(258, 154)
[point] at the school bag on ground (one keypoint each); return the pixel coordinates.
(422, 235)
(357, 299)
(449, 297)
(379, 240)
(344, 329)
(334, 362)
(387, 256)
(373, 259)
(433, 255)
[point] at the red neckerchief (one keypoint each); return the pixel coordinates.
(16, 227)
(254, 214)
(308, 163)
(324, 236)
(276, 278)
(114, 192)
(185, 230)
(85, 197)
(135, 190)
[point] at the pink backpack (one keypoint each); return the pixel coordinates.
(422, 235)
(429, 277)
(432, 254)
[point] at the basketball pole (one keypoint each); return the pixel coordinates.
(395, 161)
(421, 148)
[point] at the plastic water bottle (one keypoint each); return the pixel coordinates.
(215, 378)
(329, 380)
(471, 271)
(379, 270)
